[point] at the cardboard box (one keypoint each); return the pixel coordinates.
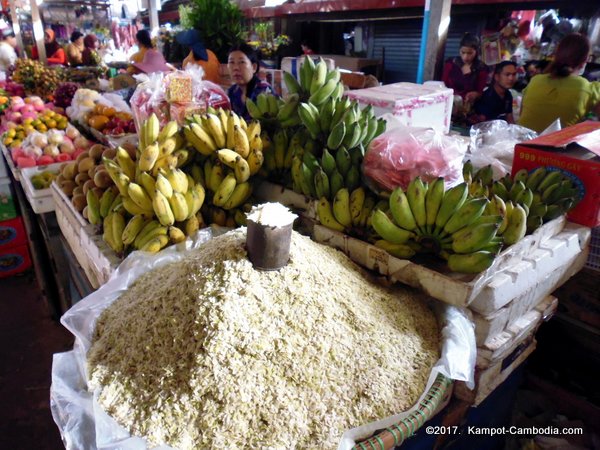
(415, 105)
(575, 151)
(7, 203)
(14, 260)
(12, 233)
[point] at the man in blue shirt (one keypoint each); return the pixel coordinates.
(496, 100)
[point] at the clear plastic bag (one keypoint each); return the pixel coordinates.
(493, 142)
(401, 154)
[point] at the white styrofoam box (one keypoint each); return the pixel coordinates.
(41, 200)
(502, 344)
(102, 260)
(415, 105)
(533, 264)
(454, 288)
(266, 191)
(9, 162)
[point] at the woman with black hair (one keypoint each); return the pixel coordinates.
(243, 64)
(74, 49)
(54, 52)
(200, 55)
(560, 92)
(144, 42)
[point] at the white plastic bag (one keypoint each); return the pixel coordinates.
(83, 424)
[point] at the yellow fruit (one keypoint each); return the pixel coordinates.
(28, 128)
(16, 143)
(11, 133)
(51, 123)
(28, 121)
(8, 140)
(41, 127)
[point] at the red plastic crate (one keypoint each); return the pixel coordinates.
(14, 260)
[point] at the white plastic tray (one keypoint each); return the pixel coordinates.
(41, 200)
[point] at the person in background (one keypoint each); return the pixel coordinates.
(466, 74)
(8, 43)
(496, 101)
(243, 64)
(200, 55)
(306, 49)
(90, 56)
(74, 49)
(54, 52)
(144, 43)
(153, 61)
(560, 92)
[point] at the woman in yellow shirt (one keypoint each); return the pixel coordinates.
(200, 55)
(561, 93)
(74, 49)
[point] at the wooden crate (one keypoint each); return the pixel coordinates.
(95, 257)
(462, 289)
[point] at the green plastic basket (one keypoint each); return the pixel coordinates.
(396, 434)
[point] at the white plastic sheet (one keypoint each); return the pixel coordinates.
(84, 425)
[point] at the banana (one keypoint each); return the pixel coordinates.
(280, 140)
(521, 175)
(176, 235)
(402, 251)
(93, 205)
(216, 130)
(273, 103)
(367, 209)
(326, 217)
(319, 76)
(535, 178)
(415, 193)
(326, 115)
(467, 171)
(517, 226)
(497, 206)
(148, 157)
(132, 208)
(241, 170)
(401, 211)
(179, 206)
(525, 197)
(381, 126)
(517, 188)
(307, 182)
(321, 181)
(142, 136)
(550, 193)
(323, 93)
(371, 130)
(485, 175)
(147, 182)
(216, 177)
(152, 129)
(255, 160)
(343, 161)
(177, 178)
(470, 211)
(499, 189)
(154, 245)
(254, 129)
(327, 162)
(116, 228)
(167, 147)
(163, 185)
(357, 200)
(198, 196)
(199, 139)
(132, 229)
(241, 143)
(125, 162)
(336, 182)
(352, 179)
(336, 136)
(352, 136)
(253, 109)
(453, 199)
(307, 75)
(474, 239)
(162, 209)
(309, 120)
(262, 103)
(107, 199)
(192, 225)
(139, 196)
(168, 131)
(533, 223)
(389, 231)
(289, 108)
(240, 194)
(107, 234)
(471, 262)
(225, 190)
(291, 83)
(256, 141)
(433, 201)
(550, 179)
(341, 207)
(144, 234)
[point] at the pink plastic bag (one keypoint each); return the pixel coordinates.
(403, 153)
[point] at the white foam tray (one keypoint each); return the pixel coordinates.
(41, 200)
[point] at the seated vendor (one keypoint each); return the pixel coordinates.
(496, 101)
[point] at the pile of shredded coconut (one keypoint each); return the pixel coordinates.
(208, 353)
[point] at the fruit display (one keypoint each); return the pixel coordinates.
(43, 180)
(14, 89)
(159, 203)
(232, 152)
(86, 182)
(83, 102)
(110, 121)
(4, 100)
(37, 78)
(64, 93)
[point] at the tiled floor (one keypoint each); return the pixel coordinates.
(29, 338)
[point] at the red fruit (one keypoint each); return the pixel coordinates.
(45, 159)
(62, 157)
(17, 153)
(25, 161)
(118, 130)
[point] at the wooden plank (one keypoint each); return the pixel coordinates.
(439, 21)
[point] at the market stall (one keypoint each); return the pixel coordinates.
(135, 186)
